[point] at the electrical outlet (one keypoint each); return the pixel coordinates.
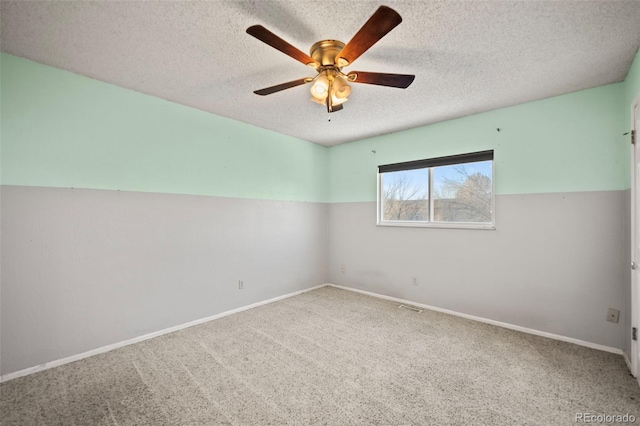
(613, 315)
(240, 285)
(414, 280)
(342, 268)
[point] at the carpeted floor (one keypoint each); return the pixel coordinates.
(329, 357)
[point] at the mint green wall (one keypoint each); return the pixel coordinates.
(63, 130)
(632, 81)
(631, 90)
(59, 129)
(561, 144)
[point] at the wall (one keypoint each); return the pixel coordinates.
(631, 91)
(63, 130)
(632, 81)
(555, 261)
(124, 214)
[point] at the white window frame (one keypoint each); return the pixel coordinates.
(429, 224)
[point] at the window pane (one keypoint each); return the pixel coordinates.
(405, 195)
(463, 192)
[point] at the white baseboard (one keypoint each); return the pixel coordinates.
(489, 321)
(107, 348)
(627, 361)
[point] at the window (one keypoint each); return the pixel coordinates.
(454, 191)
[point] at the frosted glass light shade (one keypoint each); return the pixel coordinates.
(320, 87)
(341, 89)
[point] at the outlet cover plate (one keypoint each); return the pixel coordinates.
(613, 315)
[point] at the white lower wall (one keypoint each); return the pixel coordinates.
(555, 262)
(83, 269)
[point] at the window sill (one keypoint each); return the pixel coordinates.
(481, 226)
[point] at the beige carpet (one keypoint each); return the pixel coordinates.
(329, 357)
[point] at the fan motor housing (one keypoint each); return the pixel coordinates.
(325, 51)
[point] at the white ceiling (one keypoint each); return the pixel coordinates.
(468, 56)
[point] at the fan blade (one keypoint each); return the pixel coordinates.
(381, 22)
(401, 81)
(266, 36)
(279, 87)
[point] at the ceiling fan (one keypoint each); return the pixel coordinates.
(331, 86)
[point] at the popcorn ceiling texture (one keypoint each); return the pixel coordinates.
(330, 357)
(468, 57)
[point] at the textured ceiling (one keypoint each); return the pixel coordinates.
(468, 56)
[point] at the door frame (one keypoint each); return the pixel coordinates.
(635, 254)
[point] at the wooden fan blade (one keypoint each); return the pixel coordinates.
(381, 22)
(401, 81)
(279, 87)
(266, 36)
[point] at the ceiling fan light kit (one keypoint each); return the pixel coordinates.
(330, 87)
